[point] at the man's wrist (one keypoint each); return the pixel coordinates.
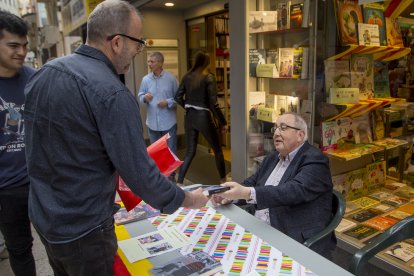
(248, 194)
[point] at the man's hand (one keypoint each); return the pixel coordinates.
(216, 199)
(148, 97)
(195, 199)
(163, 104)
(237, 191)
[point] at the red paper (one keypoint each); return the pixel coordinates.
(119, 267)
(166, 161)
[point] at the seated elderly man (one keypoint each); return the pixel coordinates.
(292, 189)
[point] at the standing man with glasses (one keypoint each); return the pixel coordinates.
(292, 189)
(14, 182)
(83, 127)
(157, 92)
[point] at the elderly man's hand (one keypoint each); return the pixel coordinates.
(148, 97)
(237, 191)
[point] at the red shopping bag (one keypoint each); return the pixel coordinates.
(166, 161)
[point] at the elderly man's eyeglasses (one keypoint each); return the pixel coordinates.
(141, 42)
(282, 127)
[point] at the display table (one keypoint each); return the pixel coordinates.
(306, 257)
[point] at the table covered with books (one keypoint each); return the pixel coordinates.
(234, 241)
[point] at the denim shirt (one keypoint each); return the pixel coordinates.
(82, 126)
(163, 87)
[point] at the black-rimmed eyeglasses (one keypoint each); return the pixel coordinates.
(141, 42)
(282, 127)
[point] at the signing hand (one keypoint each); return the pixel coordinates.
(237, 191)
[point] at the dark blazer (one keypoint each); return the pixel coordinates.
(301, 205)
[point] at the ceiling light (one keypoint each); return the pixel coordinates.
(169, 4)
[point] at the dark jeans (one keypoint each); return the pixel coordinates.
(92, 254)
(200, 121)
(16, 229)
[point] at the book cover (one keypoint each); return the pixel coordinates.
(272, 57)
(362, 129)
(380, 195)
(395, 201)
(378, 124)
(194, 263)
(381, 80)
(297, 62)
(286, 62)
(376, 175)
(394, 185)
(374, 14)
(390, 143)
(343, 95)
(356, 181)
(266, 71)
(365, 202)
(380, 223)
(351, 207)
(408, 208)
(348, 15)
(398, 215)
(282, 11)
(296, 15)
(329, 136)
(262, 21)
(344, 225)
(382, 207)
(139, 212)
(365, 215)
(402, 251)
(337, 74)
(368, 35)
(361, 232)
(362, 75)
(256, 56)
(394, 36)
(406, 192)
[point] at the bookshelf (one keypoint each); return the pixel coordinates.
(218, 46)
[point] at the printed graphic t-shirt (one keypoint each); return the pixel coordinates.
(13, 171)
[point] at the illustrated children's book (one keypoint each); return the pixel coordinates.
(368, 34)
(194, 263)
(356, 181)
(376, 174)
(381, 80)
(348, 15)
(374, 15)
(337, 74)
(362, 75)
(362, 129)
(286, 62)
(394, 36)
(139, 212)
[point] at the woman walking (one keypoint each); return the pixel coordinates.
(197, 93)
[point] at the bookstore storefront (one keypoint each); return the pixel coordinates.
(350, 76)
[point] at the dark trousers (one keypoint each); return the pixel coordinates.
(92, 254)
(16, 229)
(200, 121)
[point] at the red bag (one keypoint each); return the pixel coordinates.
(166, 161)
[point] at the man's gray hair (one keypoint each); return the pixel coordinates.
(108, 18)
(159, 56)
(300, 123)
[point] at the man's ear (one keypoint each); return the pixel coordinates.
(117, 44)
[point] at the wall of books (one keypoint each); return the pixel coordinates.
(346, 67)
(365, 121)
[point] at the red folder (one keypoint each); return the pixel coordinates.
(166, 161)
